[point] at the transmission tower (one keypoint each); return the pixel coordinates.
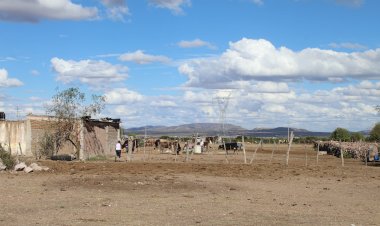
(223, 105)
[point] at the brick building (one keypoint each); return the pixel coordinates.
(97, 137)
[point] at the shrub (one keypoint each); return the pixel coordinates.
(340, 134)
(46, 144)
(98, 158)
(357, 136)
(8, 160)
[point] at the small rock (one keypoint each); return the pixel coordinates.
(35, 167)
(21, 166)
(28, 169)
(44, 168)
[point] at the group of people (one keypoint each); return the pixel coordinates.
(119, 147)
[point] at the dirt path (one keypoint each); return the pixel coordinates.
(205, 191)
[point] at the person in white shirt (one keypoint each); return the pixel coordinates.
(118, 149)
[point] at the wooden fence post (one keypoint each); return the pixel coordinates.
(254, 153)
(289, 146)
(245, 156)
(305, 155)
(274, 147)
(318, 152)
(341, 153)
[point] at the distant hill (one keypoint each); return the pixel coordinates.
(210, 129)
(283, 132)
(213, 129)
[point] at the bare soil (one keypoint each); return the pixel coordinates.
(164, 189)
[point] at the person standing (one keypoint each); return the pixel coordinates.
(118, 150)
(178, 148)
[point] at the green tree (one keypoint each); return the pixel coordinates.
(340, 134)
(67, 108)
(356, 136)
(374, 135)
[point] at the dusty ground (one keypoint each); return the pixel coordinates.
(162, 189)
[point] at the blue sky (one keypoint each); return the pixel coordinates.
(312, 64)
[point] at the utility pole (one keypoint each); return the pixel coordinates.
(17, 113)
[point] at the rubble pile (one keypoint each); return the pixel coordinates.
(34, 167)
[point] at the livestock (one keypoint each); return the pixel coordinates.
(235, 146)
(350, 149)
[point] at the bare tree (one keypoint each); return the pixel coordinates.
(68, 108)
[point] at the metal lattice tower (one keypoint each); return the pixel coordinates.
(223, 105)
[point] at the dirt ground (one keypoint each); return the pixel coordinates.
(164, 189)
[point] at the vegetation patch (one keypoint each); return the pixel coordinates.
(8, 160)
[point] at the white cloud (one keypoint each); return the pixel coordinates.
(35, 72)
(8, 82)
(258, 2)
(270, 87)
(36, 10)
(196, 43)
(163, 103)
(198, 97)
(122, 96)
(116, 9)
(363, 89)
(140, 57)
(348, 45)
(274, 108)
(90, 72)
(4, 59)
(350, 106)
(173, 5)
(259, 60)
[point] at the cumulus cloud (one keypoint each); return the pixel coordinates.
(271, 106)
(260, 60)
(116, 9)
(163, 103)
(122, 96)
(270, 87)
(274, 108)
(196, 43)
(363, 89)
(140, 57)
(173, 5)
(8, 82)
(90, 72)
(36, 10)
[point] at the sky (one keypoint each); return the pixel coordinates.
(311, 64)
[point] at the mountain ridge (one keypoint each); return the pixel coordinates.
(213, 129)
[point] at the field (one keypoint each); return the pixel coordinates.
(163, 189)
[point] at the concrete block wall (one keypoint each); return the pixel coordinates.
(99, 138)
(15, 137)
